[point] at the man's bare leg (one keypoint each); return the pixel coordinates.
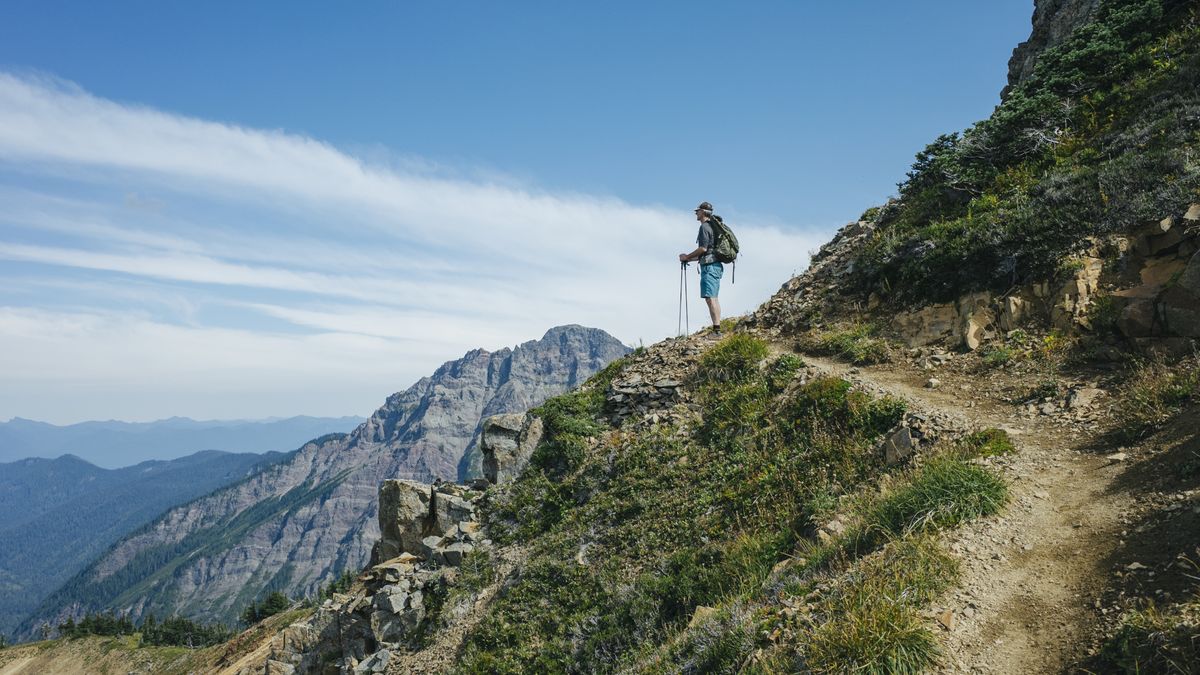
(714, 310)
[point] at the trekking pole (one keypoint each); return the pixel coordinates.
(687, 302)
(679, 321)
(683, 300)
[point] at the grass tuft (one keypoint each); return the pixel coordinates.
(1151, 641)
(872, 622)
(856, 343)
(987, 443)
(1155, 392)
(942, 493)
(734, 359)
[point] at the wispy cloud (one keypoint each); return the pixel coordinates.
(257, 230)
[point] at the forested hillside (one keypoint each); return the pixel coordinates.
(56, 515)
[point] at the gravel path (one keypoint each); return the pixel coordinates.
(1032, 575)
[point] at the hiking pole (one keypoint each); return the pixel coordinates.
(684, 299)
(679, 320)
(687, 303)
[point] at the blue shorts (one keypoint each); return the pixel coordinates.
(710, 279)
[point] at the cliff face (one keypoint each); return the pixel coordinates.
(302, 522)
(1053, 21)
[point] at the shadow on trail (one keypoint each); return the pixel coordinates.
(1158, 560)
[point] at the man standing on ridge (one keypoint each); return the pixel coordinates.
(710, 269)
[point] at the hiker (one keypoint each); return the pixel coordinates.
(710, 268)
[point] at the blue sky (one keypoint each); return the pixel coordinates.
(248, 209)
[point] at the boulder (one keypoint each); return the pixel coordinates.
(1166, 348)
(404, 515)
(449, 510)
(975, 319)
(1180, 311)
(1193, 212)
(454, 553)
(1138, 318)
(1161, 243)
(898, 446)
(274, 667)
(975, 328)
(394, 599)
(507, 442)
(376, 663)
(430, 546)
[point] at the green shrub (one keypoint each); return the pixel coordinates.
(476, 572)
(1100, 137)
(720, 644)
(643, 526)
(1103, 314)
(257, 611)
(997, 355)
(831, 401)
(782, 371)
(569, 421)
(339, 585)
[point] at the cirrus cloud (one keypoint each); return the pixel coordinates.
(304, 269)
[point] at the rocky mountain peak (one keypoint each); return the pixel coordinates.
(305, 520)
(1053, 21)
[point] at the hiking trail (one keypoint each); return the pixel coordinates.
(1031, 576)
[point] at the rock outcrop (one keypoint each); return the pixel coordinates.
(433, 522)
(301, 523)
(1150, 279)
(1053, 22)
(507, 442)
(1158, 308)
(396, 603)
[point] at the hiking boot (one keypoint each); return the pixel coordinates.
(714, 333)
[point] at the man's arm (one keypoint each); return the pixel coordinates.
(694, 255)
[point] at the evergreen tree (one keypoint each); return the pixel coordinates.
(275, 603)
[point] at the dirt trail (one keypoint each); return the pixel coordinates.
(1030, 576)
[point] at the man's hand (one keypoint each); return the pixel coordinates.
(683, 257)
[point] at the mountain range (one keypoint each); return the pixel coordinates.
(56, 515)
(303, 521)
(114, 444)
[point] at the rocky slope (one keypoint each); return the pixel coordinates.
(305, 520)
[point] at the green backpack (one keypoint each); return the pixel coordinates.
(725, 249)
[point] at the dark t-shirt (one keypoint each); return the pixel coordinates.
(706, 239)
